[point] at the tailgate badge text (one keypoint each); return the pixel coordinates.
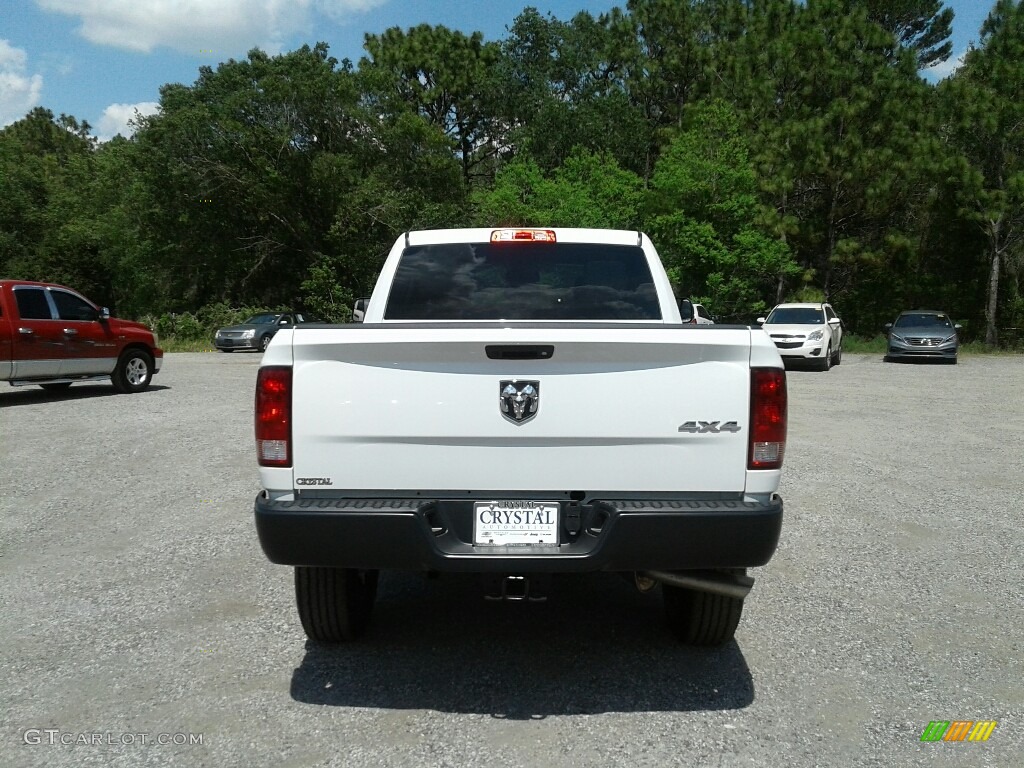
(704, 427)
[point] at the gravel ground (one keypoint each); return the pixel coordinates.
(136, 602)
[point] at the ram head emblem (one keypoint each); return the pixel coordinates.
(518, 400)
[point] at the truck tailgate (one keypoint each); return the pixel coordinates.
(376, 403)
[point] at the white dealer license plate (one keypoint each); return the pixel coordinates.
(515, 523)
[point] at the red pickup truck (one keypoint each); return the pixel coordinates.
(52, 336)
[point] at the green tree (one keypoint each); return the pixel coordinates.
(117, 198)
(446, 77)
(561, 88)
(40, 133)
(589, 190)
(270, 170)
(48, 210)
(24, 195)
(703, 212)
(985, 123)
(673, 52)
(921, 25)
(840, 136)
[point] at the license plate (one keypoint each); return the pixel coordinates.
(515, 523)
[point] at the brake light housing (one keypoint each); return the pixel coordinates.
(768, 418)
(274, 416)
(523, 236)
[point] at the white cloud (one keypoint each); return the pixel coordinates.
(19, 92)
(226, 27)
(945, 68)
(117, 116)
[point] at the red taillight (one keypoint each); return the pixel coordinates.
(767, 418)
(274, 416)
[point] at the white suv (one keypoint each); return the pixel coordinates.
(810, 333)
(694, 314)
(701, 316)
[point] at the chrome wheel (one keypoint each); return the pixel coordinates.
(133, 372)
(136, 372)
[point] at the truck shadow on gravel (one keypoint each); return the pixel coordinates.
(595, 646)
(30, 395)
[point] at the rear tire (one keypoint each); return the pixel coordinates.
(700, 618)
(133, 372)
(334, 603)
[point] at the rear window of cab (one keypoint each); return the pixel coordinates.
(523, 281)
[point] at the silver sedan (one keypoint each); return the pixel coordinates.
(921, 334)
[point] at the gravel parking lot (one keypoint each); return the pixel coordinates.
(137, 606)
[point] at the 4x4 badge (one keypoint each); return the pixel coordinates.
(714, 427)
(518, 400)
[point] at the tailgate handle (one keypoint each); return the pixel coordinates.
(520, 351)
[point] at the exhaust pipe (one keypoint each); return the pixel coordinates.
(730, 585)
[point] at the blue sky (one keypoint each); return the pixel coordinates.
(100, 60)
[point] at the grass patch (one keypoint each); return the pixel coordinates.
(174, 344)
(877, 346)
(863, 345)
(981, 348)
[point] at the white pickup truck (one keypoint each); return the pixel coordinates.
(520, 403)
